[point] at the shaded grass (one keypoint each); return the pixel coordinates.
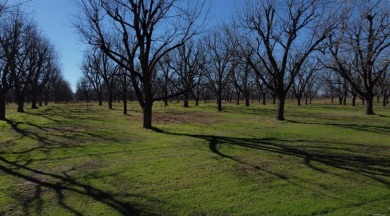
(82, 159)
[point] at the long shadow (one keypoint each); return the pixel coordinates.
(65, 183)
(55, 182)
(383, 130)
(376, 168)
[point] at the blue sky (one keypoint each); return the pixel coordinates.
(53, 17)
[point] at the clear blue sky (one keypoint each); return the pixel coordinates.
(53, 17)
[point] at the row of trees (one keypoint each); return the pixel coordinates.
(282, 46)
(29, 64)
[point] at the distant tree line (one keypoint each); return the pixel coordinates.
(163, 50)
(29, 64)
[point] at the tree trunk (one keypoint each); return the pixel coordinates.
(34, 103)
(353, 100)
(368, 107)
(100, 96)
(247, 100)
(186, 97)
(384, 99)
(2, 105)
(264, 99)
(148, 114)
(46, 100)
(306, 100)
(331, 98)
(298, 100)
(196, 101)
(280, 110)
(110, 99)
(20, 105)
(219, 100)
(40, 101)
(124, 104)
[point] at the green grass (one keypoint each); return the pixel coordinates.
(82, 159)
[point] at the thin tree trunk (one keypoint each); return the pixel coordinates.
(384, 99)
(110, 98)
(353, 100)
(2, 105)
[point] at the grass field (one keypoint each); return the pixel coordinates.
(82, 159)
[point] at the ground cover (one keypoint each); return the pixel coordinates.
(82, 159)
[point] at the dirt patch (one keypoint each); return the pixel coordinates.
(180, 118)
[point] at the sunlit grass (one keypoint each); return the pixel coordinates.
(68, 159)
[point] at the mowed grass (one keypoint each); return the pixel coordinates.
(82, 159)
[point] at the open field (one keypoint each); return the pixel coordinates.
(82, 159)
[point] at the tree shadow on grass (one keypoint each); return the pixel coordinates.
(62, 184)
(383, 130)
(374, 167)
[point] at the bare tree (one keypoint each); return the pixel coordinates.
(384, 87)
(10, 39)
(186, 66)
(93, 67)
(138, 32)
(287, 33)
(219, 63)
(360, 47)
(46, 63)
(84, 89)
(304, 79)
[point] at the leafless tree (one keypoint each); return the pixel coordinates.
(304, 79)
(220, 62)
(138, 33)
(93, 68)
(11, 28)
(46, 64)
(84, 89)
(360, 47)
(187, 67)
(287, 33)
